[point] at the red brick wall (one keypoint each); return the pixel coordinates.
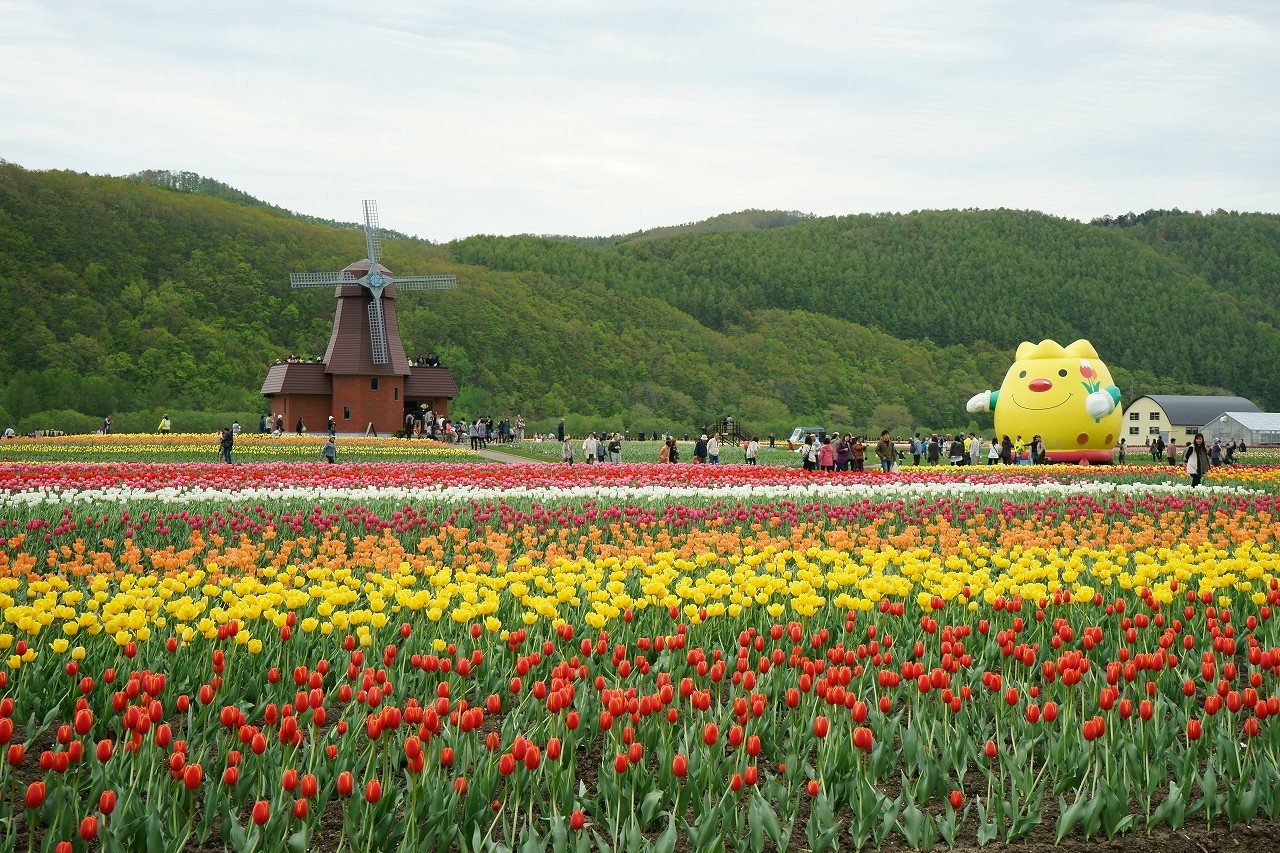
(312, 408)
(384, 407)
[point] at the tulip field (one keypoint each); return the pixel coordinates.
(290, 655)
(249, 447)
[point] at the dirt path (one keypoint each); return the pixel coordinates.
(499, 456)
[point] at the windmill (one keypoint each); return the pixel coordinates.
(377, 283)
(364, 382)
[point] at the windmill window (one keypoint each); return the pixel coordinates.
(395, 393)
(1133, 430)
(346, 413)
(373, 384)
(1155, 416)
(1135, 416)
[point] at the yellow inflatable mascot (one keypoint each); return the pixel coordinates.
(1062, 394)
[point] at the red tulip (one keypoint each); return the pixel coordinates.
(862, 738)
(192, 776)
(346, 783)
(820, 726)
(107, 802)
(261, 812)
(577, 820)
(89, 828)
(1193, 729)
(373, 791)
(710, 734)
(620, 764)
(680, 766)
(300, 808)
(957, 799)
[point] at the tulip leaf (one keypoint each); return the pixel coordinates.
(601, 844)
(533, 843)
(238, 835)
(297, 842)
(1172, 810)
(155, 833)
(666, 842)
(767, 818)
(755, 835)
(650, 805)
(559, 835)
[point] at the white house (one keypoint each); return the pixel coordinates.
(1175, 416)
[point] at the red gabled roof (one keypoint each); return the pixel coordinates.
(297, 378)
(425, 383)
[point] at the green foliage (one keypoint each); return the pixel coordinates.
(120, 296)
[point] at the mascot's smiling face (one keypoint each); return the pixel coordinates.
(1044, 392)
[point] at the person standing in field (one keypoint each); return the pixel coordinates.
(844, 451)
(885, 452)
(858, 454)
(330, 451)
(225, 445)
(752, 450)
(975, 449)
(826, 455)
(164, 426)
(566, 451)
(1197, 459)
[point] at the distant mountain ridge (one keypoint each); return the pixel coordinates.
(191, 182)
(742, 220)
(122, 296)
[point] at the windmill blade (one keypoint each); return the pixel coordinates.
(377, 330)
(372, 231)
(427, 282)
(321, 279)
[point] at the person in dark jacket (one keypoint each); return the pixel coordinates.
(225, 445)
(885, 452)
(1006, 450)
(700, 449)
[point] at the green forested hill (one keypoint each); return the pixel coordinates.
(958, 277)
(120, 297)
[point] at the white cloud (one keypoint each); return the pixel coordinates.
(586, 118)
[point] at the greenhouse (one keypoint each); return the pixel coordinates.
(1255, 428)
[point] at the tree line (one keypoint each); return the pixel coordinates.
(124, 297)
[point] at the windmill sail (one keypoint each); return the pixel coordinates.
(378, 330)
(372, 231)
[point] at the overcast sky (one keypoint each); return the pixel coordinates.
(595, 118)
